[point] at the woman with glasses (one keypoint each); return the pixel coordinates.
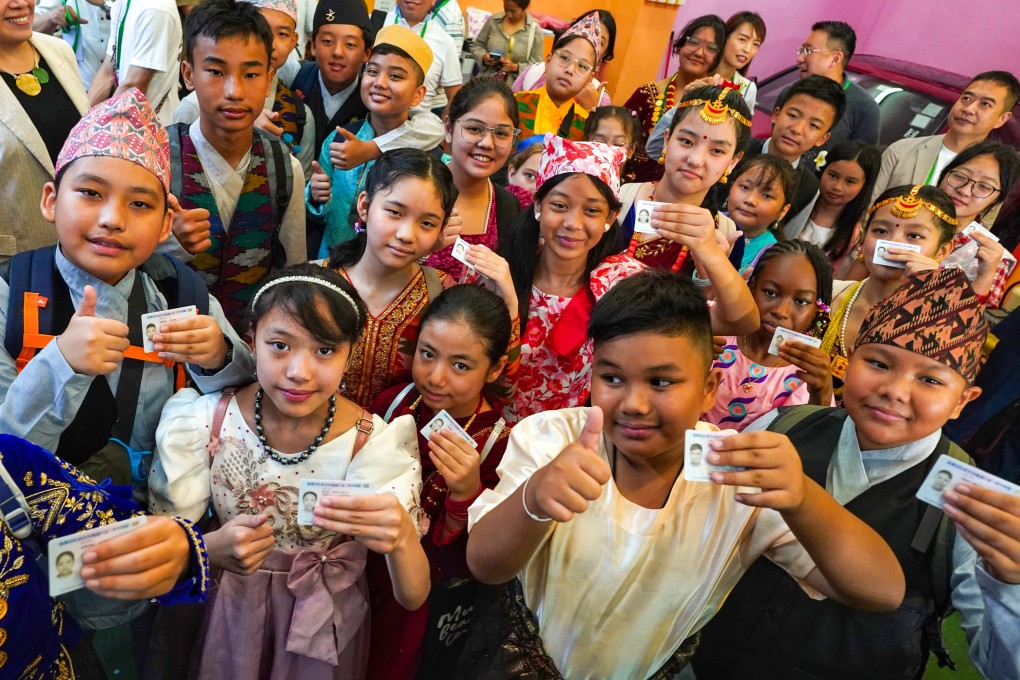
(553, 107)
(698, 50)
(978, 180)
(480, 133)
(745, 33)
(509, 41)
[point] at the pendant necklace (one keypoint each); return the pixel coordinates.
(30, 82)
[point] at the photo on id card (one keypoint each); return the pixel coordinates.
(948, 472)
(311, 491)
(697, 444)
(64, 553)
(152, 321)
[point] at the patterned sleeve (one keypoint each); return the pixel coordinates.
(612, 270)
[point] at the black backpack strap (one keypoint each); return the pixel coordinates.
(130, 383)
(507, 209)
(281, 183)
(176, 166)
(179, 284)
(791, 417)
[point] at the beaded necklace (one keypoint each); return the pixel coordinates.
(294, 460)
(665, 100)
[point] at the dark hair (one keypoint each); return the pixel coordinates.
(523, 4)
(706, 21)
(1006, 158)
(770, 169)
(63, 170)
(606, 17)
(818, 87)
(631, 125)
(518, 160)
(927, 193)
(389, 169)
(1006, 80)
(387, 48)
(869, 158)
(366, 35)
(481, 309)
(219, 19)
(733, 99)
(841, 33)
(520, 246)
(477, 90)
(654, 301)
(819, 262)
(738, 20)
(303, 301)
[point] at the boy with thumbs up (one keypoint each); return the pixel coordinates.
(74, 377)
(616, 560)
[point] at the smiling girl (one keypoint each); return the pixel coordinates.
(745, 33)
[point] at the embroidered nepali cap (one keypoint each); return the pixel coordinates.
(407, 40)
(123, 126)
(347, 12)
(288, 7)
(599, 160)
(590, 29)
(935, 314)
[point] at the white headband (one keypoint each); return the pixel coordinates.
(306, 279)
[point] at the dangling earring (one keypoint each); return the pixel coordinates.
(538, 215)
(608, 224)
(725, 178)
(662, 156)
(254, 369)
(343, 384)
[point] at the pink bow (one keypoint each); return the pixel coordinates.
(330, 608)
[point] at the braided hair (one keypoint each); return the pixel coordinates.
(823, 276)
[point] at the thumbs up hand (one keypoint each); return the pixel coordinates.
(346, 151)
(319, 185)
(92, 345)
(564, 487)
(192, 228)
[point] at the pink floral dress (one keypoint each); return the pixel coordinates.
(546, 380)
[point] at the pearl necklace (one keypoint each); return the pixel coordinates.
(846, 317)
(292, 460)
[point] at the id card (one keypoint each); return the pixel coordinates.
(785, 335)
(882, 248)
(460, 250)
(643, 216)
(697, 444)
(311, 490)
(64, 553)
(444, 421)
(948, 472)
(153, 320)
(974, 226)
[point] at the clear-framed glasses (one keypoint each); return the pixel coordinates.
(473, 132)
(696, 44)
(565, 60)
(805, 51)
(959, 180)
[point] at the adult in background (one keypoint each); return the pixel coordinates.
(745, 34)
(84, 25)
(509, 42)
(41, 99)
(826, 52)
(698, 49)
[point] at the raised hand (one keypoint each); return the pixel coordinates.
(319, 184)
(268, 122)
(90, 344)
(458, 462)
(378, 521)
(346, 151)
(815, 369)
(241, 545)
(146, 562)
(195, 340)
(497, 269)
(565, 487)
(772, 463)
(989, 521)
(191, 228)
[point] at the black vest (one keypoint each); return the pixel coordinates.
(769, 628)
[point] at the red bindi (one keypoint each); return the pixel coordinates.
(704, 136)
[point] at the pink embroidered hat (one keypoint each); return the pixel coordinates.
(288, 7)
(123, 126)
(590, 29)
(591, 158)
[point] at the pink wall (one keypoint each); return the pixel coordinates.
(891, 28)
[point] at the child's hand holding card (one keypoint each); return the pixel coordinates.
(152, 323)
(786, 335)
(311, 491)
(884, 248)
(643, 216)
(65, 553)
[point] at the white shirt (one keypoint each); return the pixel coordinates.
(331, 103)
(445, 70)
(152, 39)
(92, 37)
(451, 19)
(941, 161)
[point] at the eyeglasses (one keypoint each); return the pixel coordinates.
(805, 51)
(696, 44)
(565, 60)
(502, 135)
(958, 180)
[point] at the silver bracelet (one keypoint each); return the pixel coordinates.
(524, 502)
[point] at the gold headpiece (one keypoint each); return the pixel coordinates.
(714, 113)
(907, 207)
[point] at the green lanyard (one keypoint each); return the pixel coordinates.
(76, 27)
(396, 20)
(120, 36)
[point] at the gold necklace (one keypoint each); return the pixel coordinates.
(467, 425)
(30, 82)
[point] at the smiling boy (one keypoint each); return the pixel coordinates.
(593, 509)
(913, 369)
(234, 182)
(443, 78)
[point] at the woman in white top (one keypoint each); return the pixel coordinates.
(745, 33)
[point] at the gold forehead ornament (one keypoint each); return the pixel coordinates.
(714, 112)
(907, 207)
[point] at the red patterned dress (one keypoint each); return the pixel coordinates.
(648, 103)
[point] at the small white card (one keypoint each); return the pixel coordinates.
(785, 335)
(974, 226)
(697, 444)
(153, 320)
(948, 472)
(882, 248)
(310, 491)
(643, 216)
(64, 553)
(460, 250)
(444, 421)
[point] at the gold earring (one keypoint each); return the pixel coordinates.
(662, 157)
(725, 178)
